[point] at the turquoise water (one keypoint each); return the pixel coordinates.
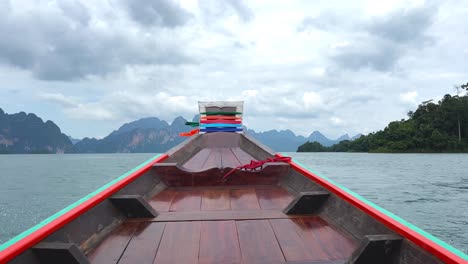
(33, 187)
(429, 190)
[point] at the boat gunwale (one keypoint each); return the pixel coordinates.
(426, 241)
(414, 234)
(23, 241)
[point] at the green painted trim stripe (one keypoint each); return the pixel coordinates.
(72, 206)
(392, 215)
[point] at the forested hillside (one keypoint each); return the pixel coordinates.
(433, 127)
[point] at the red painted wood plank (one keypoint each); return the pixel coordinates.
(277, 198)
(346, 243)
(110, 250)
(196, 162)
(41, 233)
(163, 200)
(242, 156)
(219, 243)
(244, 199)
(223, 187)
(214, 160)
(215, 200)
(294, 247)
(144, 244)
(258, 242)
(180, 243)
(219, 215)
(415, 237)
(338, 245)
(228, 159)
(186, 201)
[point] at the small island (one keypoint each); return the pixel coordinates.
(440, 127)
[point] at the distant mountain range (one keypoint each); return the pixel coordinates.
(144, 135)
(27, 133)
(287, 141)
(74, 140)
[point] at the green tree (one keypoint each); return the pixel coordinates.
(311, 147)
(433, 127)
(465, 86)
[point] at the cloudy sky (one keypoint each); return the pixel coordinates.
(333, 66)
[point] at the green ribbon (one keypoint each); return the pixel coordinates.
(193, 124)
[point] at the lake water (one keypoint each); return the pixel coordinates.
(429, 190)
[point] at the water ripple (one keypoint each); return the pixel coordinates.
(427, 190)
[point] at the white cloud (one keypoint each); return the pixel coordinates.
(409, 97)
(298, 65)
(379, 8)
(340, 44)
(92, 111)
(58, 98)
(336, 120)
(75, 109)
(249, 93)
(312, 100)
(317, 71)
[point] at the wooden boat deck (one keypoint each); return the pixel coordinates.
(217, 158)
(225, 224)
(199, 216)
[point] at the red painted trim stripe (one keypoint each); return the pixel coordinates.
(34, 238)
(425, 243)
(214, 121)
(220, 117)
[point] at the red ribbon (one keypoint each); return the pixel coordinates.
(254, 165)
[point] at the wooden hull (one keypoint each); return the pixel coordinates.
(177, 208)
